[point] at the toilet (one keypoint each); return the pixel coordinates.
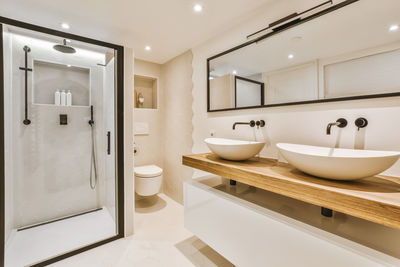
(148, 180)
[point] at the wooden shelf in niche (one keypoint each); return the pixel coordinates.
(48, 77)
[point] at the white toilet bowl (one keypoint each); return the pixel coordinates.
(148, 180)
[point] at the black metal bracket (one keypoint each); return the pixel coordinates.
(283, 25)
(26, 49)
(326, 212)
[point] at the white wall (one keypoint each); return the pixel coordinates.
(222, 92)
(299, 83)
(8, 120)
(297, 124)
(128, 141)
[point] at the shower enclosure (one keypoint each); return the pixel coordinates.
(61, 149)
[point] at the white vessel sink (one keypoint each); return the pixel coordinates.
(337, 163)
(234, 149)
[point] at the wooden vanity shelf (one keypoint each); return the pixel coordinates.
(375, 199)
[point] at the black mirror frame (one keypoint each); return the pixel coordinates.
(291, 25)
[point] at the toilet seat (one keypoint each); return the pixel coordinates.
(148, 180)
(148, 171)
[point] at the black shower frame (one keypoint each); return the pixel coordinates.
(119, 92)
(261, 84)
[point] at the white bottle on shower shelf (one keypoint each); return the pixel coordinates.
(63, 98)
(69, 98)
(57, 98)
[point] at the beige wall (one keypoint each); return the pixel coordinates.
(170, 126)
(149, 147)
(304, 124)
(177, 122)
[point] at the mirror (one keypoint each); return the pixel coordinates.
(350, 50)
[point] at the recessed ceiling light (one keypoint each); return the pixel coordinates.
(65, 25)
(197, 8)
(68, 66)
(234, 72)
(394, 28)
(290, 56)
(147, 48)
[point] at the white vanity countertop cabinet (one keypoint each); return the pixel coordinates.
(250, 227)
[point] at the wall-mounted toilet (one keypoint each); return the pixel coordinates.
(148, 180)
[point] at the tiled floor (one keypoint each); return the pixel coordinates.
(41, 242)
(160, 239)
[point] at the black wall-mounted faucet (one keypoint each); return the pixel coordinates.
(341, 123)
(252, 123)
(260, 123)
(361, 123)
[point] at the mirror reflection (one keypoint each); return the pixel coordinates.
(354, 55)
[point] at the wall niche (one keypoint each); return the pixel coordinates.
(48, 77)
(146, 89)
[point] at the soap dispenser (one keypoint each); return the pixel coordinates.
(57, 98)
(63, 98)
(69, 98)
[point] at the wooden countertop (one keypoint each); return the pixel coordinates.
(376, 199)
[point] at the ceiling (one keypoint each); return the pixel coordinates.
(170, 27)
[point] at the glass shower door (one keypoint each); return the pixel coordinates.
(60, 145)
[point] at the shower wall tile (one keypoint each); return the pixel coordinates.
(51, 162)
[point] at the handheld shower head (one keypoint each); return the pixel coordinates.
(64, 48)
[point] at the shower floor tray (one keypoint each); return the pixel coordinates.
(45, 241)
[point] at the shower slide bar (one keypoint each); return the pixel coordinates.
(26, 49)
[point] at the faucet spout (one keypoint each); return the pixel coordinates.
(251, 123)
(328, 128)
(341, 123)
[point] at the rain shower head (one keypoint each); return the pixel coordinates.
(64, 48)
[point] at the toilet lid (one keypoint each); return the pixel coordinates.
(148, 171)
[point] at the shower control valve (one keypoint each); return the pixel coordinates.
(361, 123)
(260, 123)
